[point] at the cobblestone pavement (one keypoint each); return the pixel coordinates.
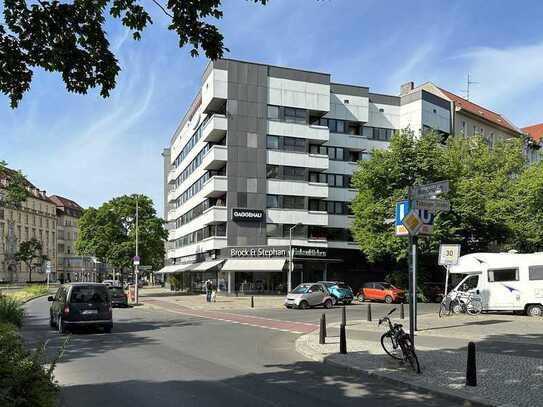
(503, 327)
(502, 379)
(249, 320)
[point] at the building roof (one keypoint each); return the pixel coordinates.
(35, 192)
(65, 202)
(480, 111)
(535, 131)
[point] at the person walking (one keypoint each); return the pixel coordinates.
(213, 292)
(208, 290)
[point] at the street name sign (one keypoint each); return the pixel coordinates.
(430, 190)
(433, 205)
(412, 223)
(402, 209)
(448, 254)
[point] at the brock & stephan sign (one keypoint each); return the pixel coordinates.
(257, 252)
(247, 215)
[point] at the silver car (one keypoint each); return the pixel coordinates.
(308, 295)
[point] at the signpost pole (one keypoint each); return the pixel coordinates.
(136, 263)
(446, 279)
(411, 253)
(414, 286)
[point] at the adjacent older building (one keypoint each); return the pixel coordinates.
(258, 173)
(35, 218)
(535, 133)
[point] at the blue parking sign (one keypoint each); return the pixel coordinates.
(402, 209)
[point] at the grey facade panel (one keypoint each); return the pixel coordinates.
(412, 97)
(298, 75)
(436, 100)
(246, 142)
(385, 99)
(342, 89)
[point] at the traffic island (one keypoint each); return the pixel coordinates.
(501, 379)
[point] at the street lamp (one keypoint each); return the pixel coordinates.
(291, 258)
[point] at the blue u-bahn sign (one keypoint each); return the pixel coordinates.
(402, 209)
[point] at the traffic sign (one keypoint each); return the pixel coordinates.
(433, 205)
(402, 209)
(430, 190)
(48, 267)
(412, 223)
(448, 254)
(136, 260)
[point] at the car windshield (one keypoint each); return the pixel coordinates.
(342, 285)
(301, 289)
(117, 291)
(328, 285)
(93, 294)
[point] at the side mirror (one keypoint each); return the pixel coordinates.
(50, 298)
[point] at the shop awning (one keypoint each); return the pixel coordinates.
(206, 265)
(250, 265)
(178, 268)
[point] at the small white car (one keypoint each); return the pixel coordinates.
(309, 295)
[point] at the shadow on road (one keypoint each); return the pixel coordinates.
(301, 384)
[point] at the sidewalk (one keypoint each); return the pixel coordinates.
(509, 356)
(223, 302)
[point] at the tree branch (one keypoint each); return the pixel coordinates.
(163, 8)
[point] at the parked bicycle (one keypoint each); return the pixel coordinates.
(460, 302)
(397, 343)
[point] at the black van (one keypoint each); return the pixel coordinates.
(81, 304)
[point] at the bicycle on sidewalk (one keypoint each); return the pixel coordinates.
(397, 343)
(460, 302)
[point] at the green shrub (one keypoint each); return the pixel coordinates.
(24, 381)
(36, 289)
(11, 311)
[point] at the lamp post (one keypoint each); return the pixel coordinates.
(291, 258)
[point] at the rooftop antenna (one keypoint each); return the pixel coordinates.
(469, 83)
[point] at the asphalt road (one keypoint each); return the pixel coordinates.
(158, 358)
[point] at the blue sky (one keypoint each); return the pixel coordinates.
(90, 149)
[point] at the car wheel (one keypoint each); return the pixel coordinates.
(361, 298)
(328, 304)
(303, 305)
(334, 300)
(60, 326)
(534, 310)
(51, 321)
(388, 299)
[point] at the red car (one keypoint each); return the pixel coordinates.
(381, 292)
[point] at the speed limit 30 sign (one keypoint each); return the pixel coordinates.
(448, 254)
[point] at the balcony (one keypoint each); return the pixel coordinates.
(216, 186)
(215, 128)
(298, 188)
(215, 91)
(211, 243)
(318, 134)
(313, 161)
(215, 158)
(215, 214)
(294, 216)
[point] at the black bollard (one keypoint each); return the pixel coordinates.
(322, 330)
(342, 340)
(369, 313)
(402, 315)
(252, 301)
(471, 370)
(343, 316)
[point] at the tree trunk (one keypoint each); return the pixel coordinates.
(29, 273)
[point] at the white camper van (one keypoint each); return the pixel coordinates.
(505, 281)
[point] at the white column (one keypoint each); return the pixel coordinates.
(229, 282)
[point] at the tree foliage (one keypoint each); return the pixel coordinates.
(15, 191)
(31, 253)
(70, 38)
(482, 182)
(109, 232)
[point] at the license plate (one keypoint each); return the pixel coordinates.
(90, 312)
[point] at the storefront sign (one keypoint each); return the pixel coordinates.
(247, 215)
(257, 252)
(309, 252)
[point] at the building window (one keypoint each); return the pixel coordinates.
(294, 144)
(272, 201)
(273, 112)
(294, 115)
(293, 202)
(294, 173)
(274, 230)
(272, 171)
(272, 142)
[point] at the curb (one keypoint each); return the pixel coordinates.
(466, 400)
(34, 298)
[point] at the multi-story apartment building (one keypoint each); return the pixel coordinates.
(535, 133)
(262, 162)
(70, 266)
(35, 218)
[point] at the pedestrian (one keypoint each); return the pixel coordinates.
(213, 292)
(208, 290)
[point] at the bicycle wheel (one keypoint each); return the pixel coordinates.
(390, 346)
(457, 307)
(409, 354)
(474, 307)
